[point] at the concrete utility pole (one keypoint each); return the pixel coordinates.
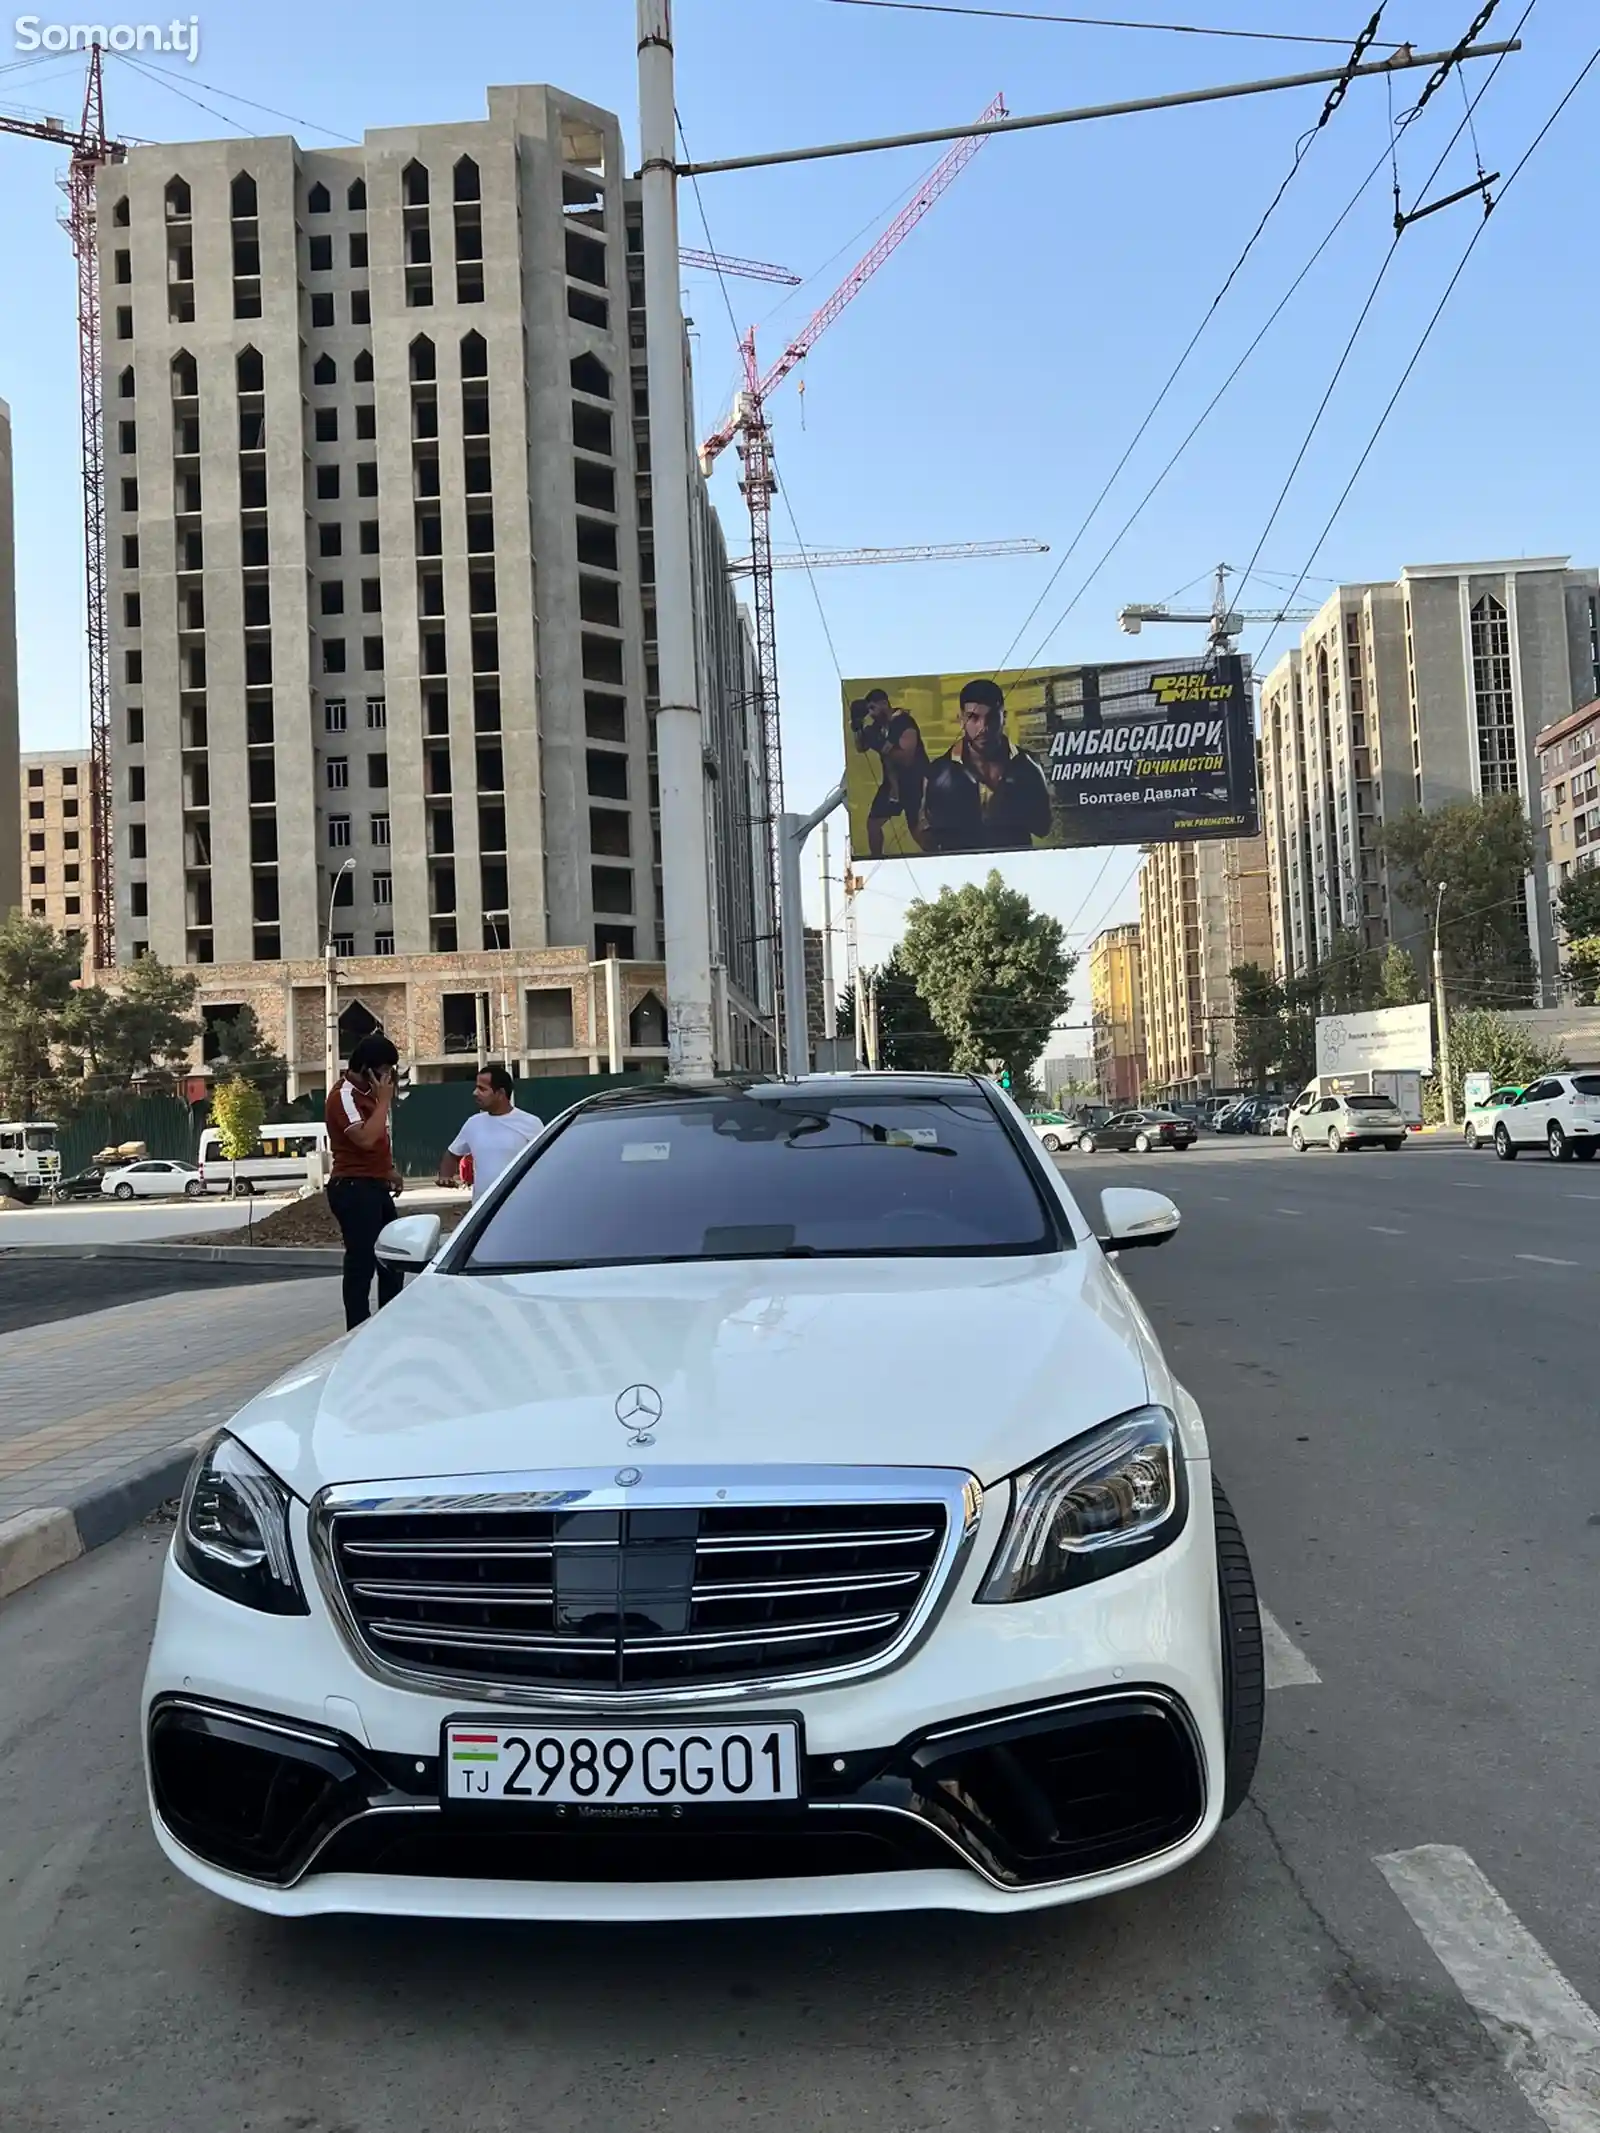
(873, 1035)
(330, 989)
(793, 830)
(1442, 1013)
(680, 759)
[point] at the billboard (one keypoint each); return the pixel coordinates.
(1387, 1040)
(1050, 759)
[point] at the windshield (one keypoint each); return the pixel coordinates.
(40, 1137)
(845, 1174)
(1586, 1084)
(1368, 1103)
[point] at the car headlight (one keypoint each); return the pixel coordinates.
(1104, 1502)
(233, 1531)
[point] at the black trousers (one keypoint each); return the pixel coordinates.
(361, 1207)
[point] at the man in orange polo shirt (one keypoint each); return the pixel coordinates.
(363, 1179)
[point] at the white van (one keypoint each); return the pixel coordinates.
(288, 1155)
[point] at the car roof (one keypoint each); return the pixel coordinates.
(772, 1087)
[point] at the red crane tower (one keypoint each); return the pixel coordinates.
(748, 423)
(90, 149)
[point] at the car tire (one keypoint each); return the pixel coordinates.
(243, 1187)
(1086, 1145)
(193, 1188)
(1504, 1146)
(1394, 1147)
(1244, 1664)
(1334, 1142)
(1141, 1144)
(1052, 1145)
(1297, 1141)
(1560, 1147)
(123, 1192)
(1470, 1135)
(1584, 1151)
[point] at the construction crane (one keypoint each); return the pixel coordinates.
(90, 150)
(748, 423)
(923, 552)
(1222, 621)
(746, 269)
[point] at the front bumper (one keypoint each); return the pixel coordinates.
(1022, 1756)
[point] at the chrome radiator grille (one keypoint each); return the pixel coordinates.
(635, 1598)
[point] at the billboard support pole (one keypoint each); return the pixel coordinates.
(793, 830)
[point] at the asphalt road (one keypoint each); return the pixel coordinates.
(36, 1292)
(1394, 1353)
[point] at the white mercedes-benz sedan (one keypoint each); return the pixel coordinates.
(772, 1499)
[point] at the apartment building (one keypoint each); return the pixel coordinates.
(1423, 692)
(1116, 1006)
(57, 851)
(1204, 908)
(1569, 782)
(10, 847)
(381, 578)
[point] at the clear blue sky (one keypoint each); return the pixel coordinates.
(989, 378)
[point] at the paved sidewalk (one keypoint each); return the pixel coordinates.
(83, 1399)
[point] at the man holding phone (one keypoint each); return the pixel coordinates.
(364, 1180)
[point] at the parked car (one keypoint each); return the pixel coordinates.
(82, 1185)
(1239, 1117)
(154, 1179)
(1140, 1131)
(529, 1640)
(1277, 1121)
(1478, 1132)
(1345, 1122)
(1560, 1113)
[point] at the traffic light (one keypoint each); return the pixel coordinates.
(1005, 1078)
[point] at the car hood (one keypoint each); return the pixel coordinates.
(983, 1365)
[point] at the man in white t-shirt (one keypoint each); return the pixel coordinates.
(495, 1133)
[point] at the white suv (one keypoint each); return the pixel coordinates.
(1343, 1122)
(1561, 1113)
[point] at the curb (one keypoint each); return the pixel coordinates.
(36, 1542)
(316, 1259)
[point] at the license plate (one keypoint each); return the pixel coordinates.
(556, 1763)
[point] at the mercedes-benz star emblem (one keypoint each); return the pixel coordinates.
(639, 1410)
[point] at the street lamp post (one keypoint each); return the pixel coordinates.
(330, 988)
(1442, 1014)
(505, 1012)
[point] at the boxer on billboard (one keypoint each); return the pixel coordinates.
(985, 794)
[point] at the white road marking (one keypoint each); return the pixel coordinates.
(1289, 1210)
(1287, 1665)
(1466, 1185)
(1378, 1230)
(1583, 1195)
(1539, 1259)
(1548, 2038)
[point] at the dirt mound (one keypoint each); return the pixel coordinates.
(307, 1224)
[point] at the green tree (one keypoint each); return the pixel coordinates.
(1482, 1042)
(1302, 1003)
(38, 969)
(1583, 967)
(1398, 983)
(237, 1044)
(1350, 975)
(1258, 1024)
(995, 974)
(1578, 904)
(149, 1024)
(1481, 850)
(237, 1109)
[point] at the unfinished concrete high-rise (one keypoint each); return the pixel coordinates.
(381, 592)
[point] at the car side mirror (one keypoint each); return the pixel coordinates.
(409, 1242)
(1134, 1218)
